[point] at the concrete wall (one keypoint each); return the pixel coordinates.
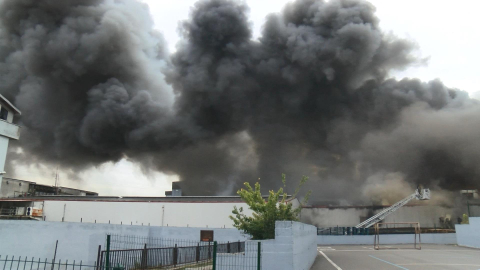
(469, 234)
(427, 215)
(432, 238)
(79, 241)
(180, 214)
(304, 245)
(294, 247)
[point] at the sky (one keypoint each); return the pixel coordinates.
(445, 31)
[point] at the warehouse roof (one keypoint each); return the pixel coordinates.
(179, 199)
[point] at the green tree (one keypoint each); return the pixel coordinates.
(465, 219)
(261, 225)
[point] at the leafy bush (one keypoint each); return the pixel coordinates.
(262, 224)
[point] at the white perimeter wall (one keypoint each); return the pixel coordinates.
(386, 239)
(469, 234)
(294, 248)
(177, 214)
(79, 241)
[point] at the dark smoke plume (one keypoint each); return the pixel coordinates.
(311, 96)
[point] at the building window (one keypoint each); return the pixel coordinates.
(3, 114)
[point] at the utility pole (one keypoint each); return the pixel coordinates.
(56, 181)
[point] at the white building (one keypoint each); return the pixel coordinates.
(181, 211)
(7, 130)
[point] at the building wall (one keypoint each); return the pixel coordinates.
(3, 152)
(80, 241)
(13, 188)
(179, 214)
(330, 217)
(3, 156)
(427, 215)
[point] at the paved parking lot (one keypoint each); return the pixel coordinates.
(359, 257)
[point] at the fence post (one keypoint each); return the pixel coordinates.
(197, 253)
(209, 252)
(54, 255)
(144, 258)
(228, 247)
(215, 255)
(98, 257)
(259, 255)
(175, 255)
(107, 256)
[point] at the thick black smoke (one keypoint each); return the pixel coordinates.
(310, 97)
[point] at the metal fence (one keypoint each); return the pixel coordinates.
(370, 231)
(23, 263)
(344, 231)
(249, 259)
(157, 257)
(182, 254)
(120, 242)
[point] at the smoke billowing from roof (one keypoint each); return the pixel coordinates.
(311, 96)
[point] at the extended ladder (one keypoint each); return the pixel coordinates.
(420, 194)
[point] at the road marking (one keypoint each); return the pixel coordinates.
(402, 250)
(396, 265)
(325, 248)
(452, 264)
(330, 261)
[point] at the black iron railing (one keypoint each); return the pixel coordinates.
(24, 263)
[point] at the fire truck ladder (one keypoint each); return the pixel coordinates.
(420, 194)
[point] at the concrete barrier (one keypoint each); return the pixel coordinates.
(468, 235)
(80, 241)
(294, 247)
(431, 238)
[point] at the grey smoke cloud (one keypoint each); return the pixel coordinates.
(310, 97)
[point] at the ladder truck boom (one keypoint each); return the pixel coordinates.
(420, 194)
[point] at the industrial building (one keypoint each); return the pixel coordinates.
(14, 188)
(181, 211)
(214, 211)
(8, 130)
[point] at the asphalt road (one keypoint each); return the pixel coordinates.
(359, 257)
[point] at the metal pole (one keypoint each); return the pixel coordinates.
(54, 254)
(214, 255)
(468, 208)
(259, 255)
(175, 255)
(98, 257)
(107, 257)
(419, 236)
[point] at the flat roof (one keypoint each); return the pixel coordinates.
(49, 186)
(8, 178)
(179, 199)
(9, 104)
